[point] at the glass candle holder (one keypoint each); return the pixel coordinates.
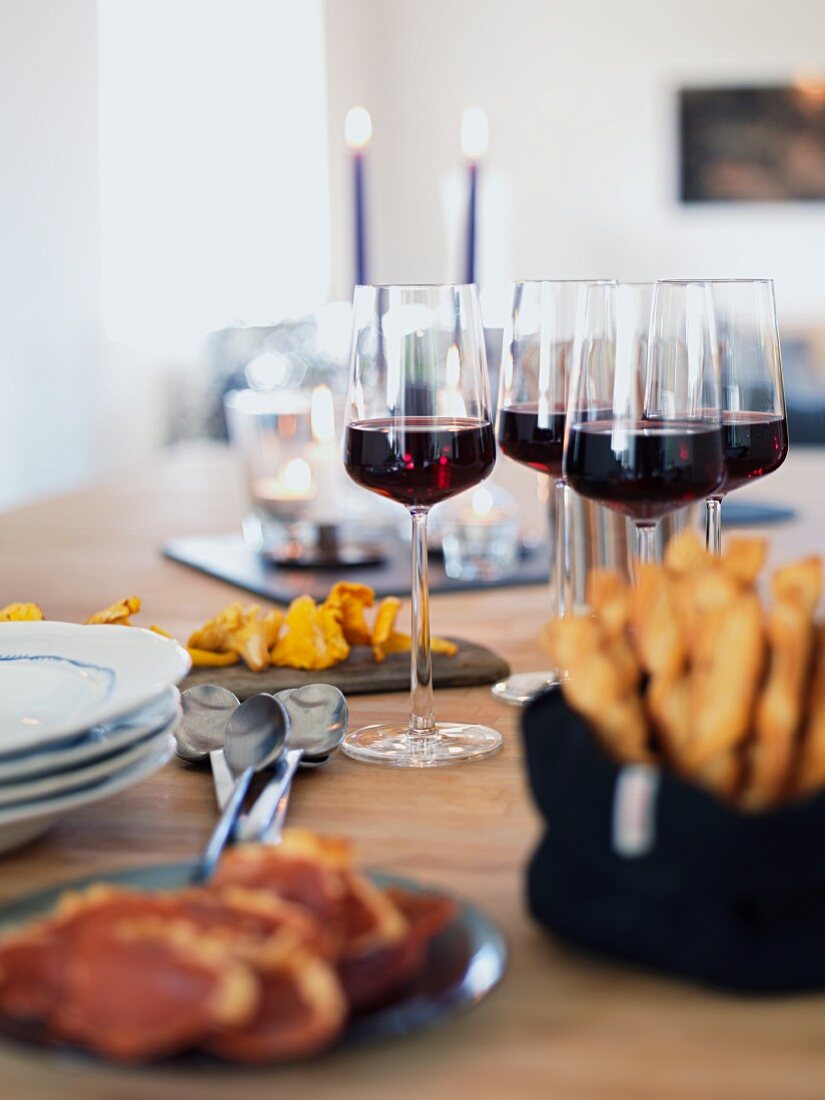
(480, 535)
(286, 442)
(302, 508)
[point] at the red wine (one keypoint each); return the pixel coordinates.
(521, 438)
(645, 468)
(419, 460)
(755, 444)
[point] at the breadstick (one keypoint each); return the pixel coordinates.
(608, 593)
(725, 678)
(801, 581)
(811, 767)
(669, 707)
(743, 558)
(779, 709)
(657, 637)
(600, 685)
(685, 554)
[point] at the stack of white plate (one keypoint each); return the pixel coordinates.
(85, 712)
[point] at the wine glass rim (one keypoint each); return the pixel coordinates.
(564, 282)
(712, 281)
(416, 286)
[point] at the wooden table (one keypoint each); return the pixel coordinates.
(562, 1025)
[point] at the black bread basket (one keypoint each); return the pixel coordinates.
(638, 864)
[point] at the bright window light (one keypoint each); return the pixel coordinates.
(213, 149)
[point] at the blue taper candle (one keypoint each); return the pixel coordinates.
(360, 224)
(470, 259)
(474, 138)
(358, 131)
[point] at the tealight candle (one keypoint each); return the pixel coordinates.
(480, 537)
(287, 495)
(303, 511)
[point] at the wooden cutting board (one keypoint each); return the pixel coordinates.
(360, 674)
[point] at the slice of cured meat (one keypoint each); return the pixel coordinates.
(302, 1009)
(147, 987)
(373, 977)
(294, 876)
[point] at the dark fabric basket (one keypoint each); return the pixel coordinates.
(731, 899)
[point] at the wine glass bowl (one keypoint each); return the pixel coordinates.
(644, 423)
(642, 468)
(420, 460)
(418, 431)
(532, 436)
(537, 350)
(754, 425)
(756, 444)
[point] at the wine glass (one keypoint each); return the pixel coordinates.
(754, 426)
(530, 418)
(644, 425)
(418, 431)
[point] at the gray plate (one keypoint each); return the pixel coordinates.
(464, 964)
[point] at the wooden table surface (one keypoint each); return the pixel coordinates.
(561, 1025)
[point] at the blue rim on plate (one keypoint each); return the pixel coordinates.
(464, 964)
(96, 743)
(137, 665)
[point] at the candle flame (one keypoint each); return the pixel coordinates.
(809, 85)
(475, 133)
(298, 476)
(322, 415)
(358, 127)
(482, 503)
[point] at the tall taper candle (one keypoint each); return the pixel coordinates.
(474, 139)
(358, 131)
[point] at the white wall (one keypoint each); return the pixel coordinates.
(580, 97)
(49, 284)
(74, 405)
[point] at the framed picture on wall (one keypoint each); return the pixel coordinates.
(752, 144)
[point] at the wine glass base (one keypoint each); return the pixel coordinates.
(521, 687)
(398, 746)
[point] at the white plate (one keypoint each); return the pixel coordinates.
(19, 825)
(58, 679)
(96, 743)
(18, 795)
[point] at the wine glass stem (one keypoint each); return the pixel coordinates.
(560, 568)
(713, 527)
(422, 721)
(645, 543)
(559, 555)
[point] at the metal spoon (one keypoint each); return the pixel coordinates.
(201, 731)
(206, 711)
(207, 708)
(255, 736)
(318, 718)
(256, 733)
(318, 722)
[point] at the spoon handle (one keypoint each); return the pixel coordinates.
(273, 832)
(223, 778)
(223, 830)
(265, 820)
